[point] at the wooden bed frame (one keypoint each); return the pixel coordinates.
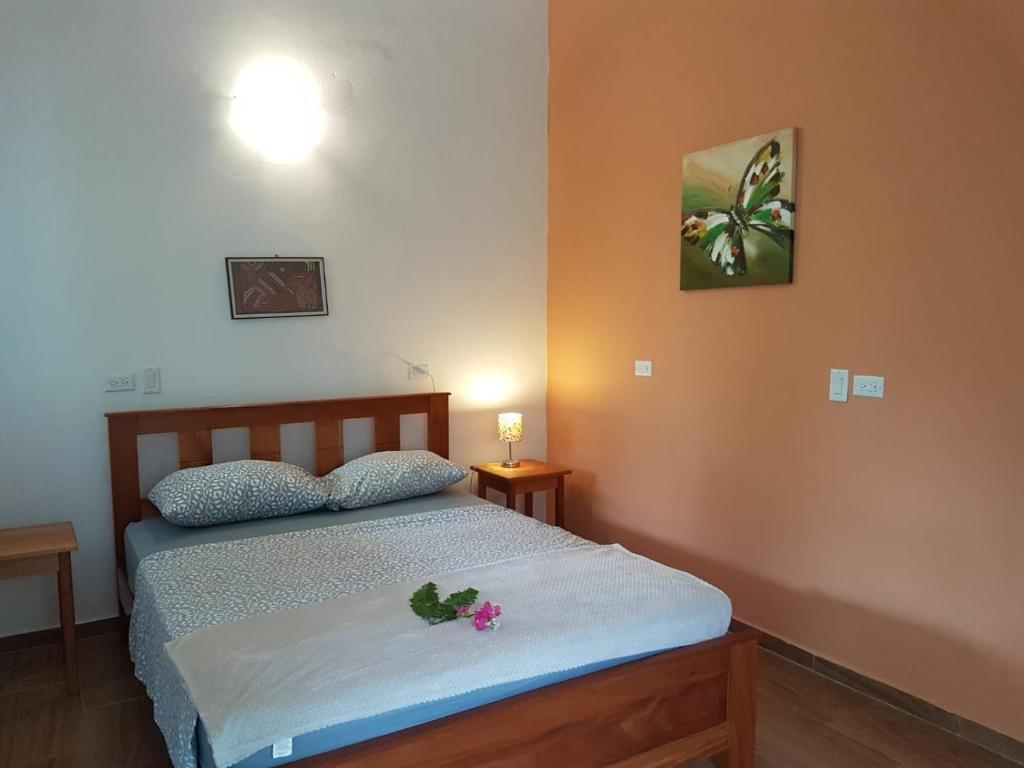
(661, 711)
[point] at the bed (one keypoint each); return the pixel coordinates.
(641, 709)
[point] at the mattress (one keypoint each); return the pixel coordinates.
(154, 534)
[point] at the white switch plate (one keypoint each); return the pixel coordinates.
(643, 368)
(150, 381)
(415, 370)
(838, 384)
(120, 382)
(869, 386)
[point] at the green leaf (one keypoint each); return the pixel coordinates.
(425, 602)
(465, 597)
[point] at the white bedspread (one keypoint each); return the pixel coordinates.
(277, 675)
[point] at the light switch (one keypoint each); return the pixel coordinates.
(643, 368)
(838, 384)
(150, 381)
(869, 386)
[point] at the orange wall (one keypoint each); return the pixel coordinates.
(887, 535)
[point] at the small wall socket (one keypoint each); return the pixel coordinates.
(415, 370)
(120, 382)
(869, 386)
(643, 368)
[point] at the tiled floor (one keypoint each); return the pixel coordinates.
(805, 721)
(107, 726)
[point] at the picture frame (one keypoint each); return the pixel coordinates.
(272, 286)
(738, 224)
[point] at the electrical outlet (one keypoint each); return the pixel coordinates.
(643, 368)
(415, 370)
(121, 382)
(869, 386)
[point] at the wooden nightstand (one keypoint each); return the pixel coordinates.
(41, 549)
(528, 477)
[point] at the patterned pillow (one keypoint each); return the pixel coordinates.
(390, 476)
(237, 490)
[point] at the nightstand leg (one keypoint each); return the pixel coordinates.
(510, 499)
(560, 503)
(65, 594)
(481, 486)
(528, 504)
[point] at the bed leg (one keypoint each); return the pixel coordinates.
(124, 602)
(742, 706)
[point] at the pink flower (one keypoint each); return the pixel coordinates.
(487, 617)
(463, 611)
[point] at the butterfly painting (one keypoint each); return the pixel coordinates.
(737, 225)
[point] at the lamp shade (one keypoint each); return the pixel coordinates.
(510, 427)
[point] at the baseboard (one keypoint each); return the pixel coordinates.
(968, 730)
(50, 636)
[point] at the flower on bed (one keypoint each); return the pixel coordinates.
(427, 604)
(487, 617)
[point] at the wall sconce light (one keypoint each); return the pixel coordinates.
(277, 109)
(489, 390)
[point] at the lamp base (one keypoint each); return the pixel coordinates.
(510, 464)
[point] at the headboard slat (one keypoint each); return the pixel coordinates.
(387, 433)
(330, 446)
(195, 448)
(437, 427)
(265, 442)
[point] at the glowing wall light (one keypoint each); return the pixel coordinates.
(489, 390)
(277, 109)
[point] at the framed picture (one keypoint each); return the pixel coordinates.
(737, 226)
(276, 287)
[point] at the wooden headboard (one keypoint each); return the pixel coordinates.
(195, 427)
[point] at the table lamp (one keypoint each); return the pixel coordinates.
(510, 430)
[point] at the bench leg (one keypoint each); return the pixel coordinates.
(66, 596)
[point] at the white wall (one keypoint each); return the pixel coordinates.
(122, 190)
